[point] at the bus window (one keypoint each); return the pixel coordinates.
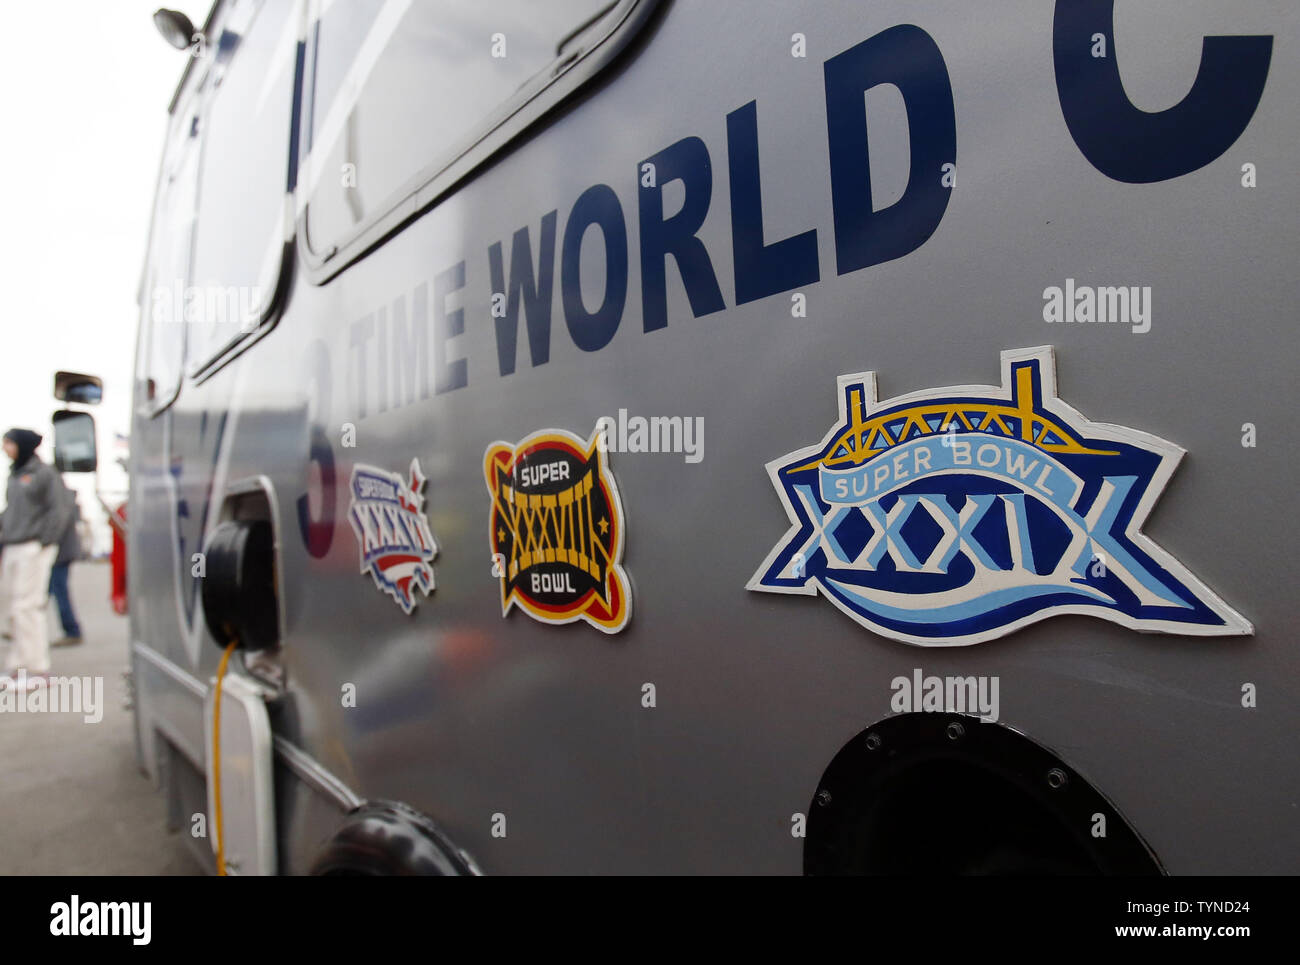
(403, 87)
(162, 343)
(244, 181)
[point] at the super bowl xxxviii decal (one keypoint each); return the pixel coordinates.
(958, 515)
(556, 530)
(397, 548)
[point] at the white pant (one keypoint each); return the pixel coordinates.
(26, 576)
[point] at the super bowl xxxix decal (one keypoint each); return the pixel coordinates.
(397, 549)
(556, 530)
(958, 515)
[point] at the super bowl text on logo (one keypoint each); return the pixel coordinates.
(556, 530)
(957, 515)
(387, 515)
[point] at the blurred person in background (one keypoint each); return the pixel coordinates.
(69, 551)
(30, 530)
(4, 598)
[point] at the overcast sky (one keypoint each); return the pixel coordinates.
(82, 119)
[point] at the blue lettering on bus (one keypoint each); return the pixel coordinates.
(686, 161)
(597, 206)
(760, 269)
(908, 58)
(1121, 141)
(532, 292)
(1136, 146)
(449, 373)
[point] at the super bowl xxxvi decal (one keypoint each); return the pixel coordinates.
(958, 515)
(556, 530)
(397, 549)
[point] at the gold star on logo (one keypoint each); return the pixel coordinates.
(604, 526)
(501, 535)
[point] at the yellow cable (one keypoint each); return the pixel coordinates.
(216, 757)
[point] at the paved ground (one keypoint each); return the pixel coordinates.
(72, 799)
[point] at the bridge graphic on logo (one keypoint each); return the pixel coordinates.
(387, 516)
(958, 515)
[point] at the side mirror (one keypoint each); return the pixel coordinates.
(74, 442)
(77, 388)
(176, 28)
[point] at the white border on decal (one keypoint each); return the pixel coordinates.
(616, 555)
(365, 570)
(1170, 454)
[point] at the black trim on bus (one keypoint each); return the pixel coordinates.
(931, 793)
(274, 308)
(152, 408)
(567, 74)
(205, 31)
